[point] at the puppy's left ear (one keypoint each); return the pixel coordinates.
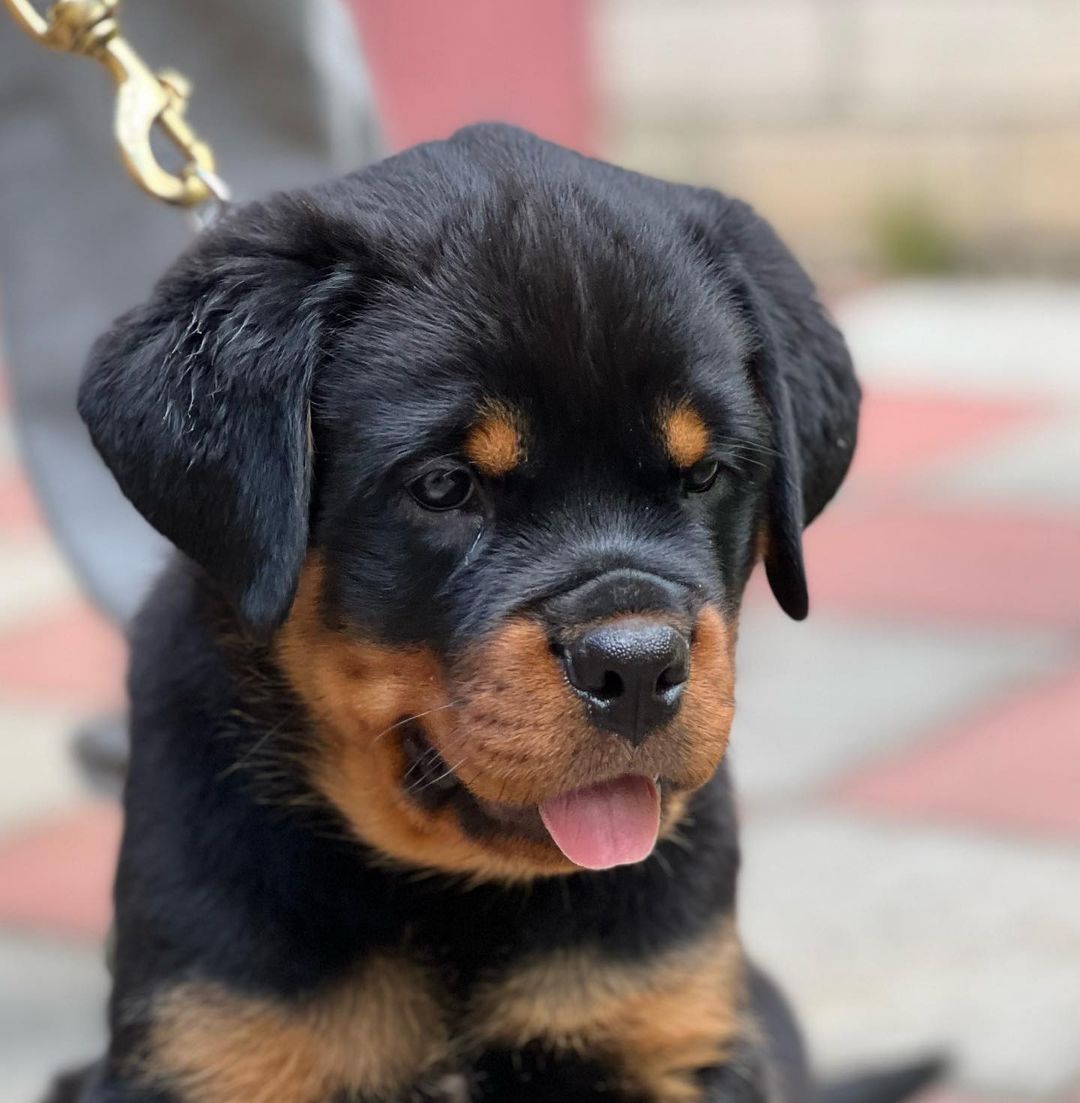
(198, 402)
(802, 370)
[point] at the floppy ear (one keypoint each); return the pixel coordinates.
(198, 402)
(803, 372)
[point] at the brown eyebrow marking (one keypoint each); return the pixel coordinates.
(494, 443)
(685, 436)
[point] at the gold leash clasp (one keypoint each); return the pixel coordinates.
(144, 99)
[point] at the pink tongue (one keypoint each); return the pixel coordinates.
(612, 824)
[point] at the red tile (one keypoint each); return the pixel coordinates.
(58, 877)
(909, 561)
(19, 511)
(901, 433)
(1017, 766)
(73, 656)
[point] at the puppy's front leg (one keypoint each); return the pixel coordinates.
(374, 1033)
(578, 1025)
(770, 1065)
(743, 1079)
(94, 1084)
(536, 1074)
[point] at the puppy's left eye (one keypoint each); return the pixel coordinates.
(700, 477)
(443, 488)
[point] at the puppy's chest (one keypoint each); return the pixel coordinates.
(394, 1032)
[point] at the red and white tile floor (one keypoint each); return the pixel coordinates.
(909, 758)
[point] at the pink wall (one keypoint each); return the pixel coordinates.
(438, 64)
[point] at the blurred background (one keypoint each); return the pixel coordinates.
(909, 758)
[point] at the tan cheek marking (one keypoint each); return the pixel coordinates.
(494, 444)
(352, 687)
(708, 704)
(374, 1034)
(356, 692)
(685, 436)
(659, 1021)
(525, 725)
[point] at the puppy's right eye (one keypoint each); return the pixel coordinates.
(701, 476)
(443, 488)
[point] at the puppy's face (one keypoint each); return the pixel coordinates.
(536, 507)
(538, 452)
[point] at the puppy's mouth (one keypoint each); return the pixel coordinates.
(612, 823)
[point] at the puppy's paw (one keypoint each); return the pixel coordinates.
(451, 1087)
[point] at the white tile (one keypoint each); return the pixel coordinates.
(37, 772)
(824, 696)
(894, 940)
(1035, 468)
(34, 579)
(52, 1002)
(998, 339)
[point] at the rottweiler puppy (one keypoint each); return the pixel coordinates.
(468, 457)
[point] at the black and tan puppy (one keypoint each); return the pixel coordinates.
(468, 456)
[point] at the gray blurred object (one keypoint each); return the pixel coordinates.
(281, 95)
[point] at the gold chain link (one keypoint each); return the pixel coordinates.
(143, 100)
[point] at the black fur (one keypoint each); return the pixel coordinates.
(285, 381)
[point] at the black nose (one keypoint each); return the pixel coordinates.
(631, 674)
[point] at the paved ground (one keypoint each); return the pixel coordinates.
(909, 758)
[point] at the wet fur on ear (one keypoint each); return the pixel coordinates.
(198, 402)
(803, 371)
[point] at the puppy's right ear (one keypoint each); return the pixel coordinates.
(198, 402)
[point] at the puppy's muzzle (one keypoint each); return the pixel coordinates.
(624, 642)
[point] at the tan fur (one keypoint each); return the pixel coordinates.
(494, 444)
(685, 436)
(659, 1020)
(357, 694)
(708, 703)
(375, 1033)
(504, 720)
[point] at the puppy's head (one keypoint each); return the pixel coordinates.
(486, 440)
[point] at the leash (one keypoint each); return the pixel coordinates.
(145, 100)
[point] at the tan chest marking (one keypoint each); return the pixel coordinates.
(358, 694)
(658, 1022)
(375, 1034)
